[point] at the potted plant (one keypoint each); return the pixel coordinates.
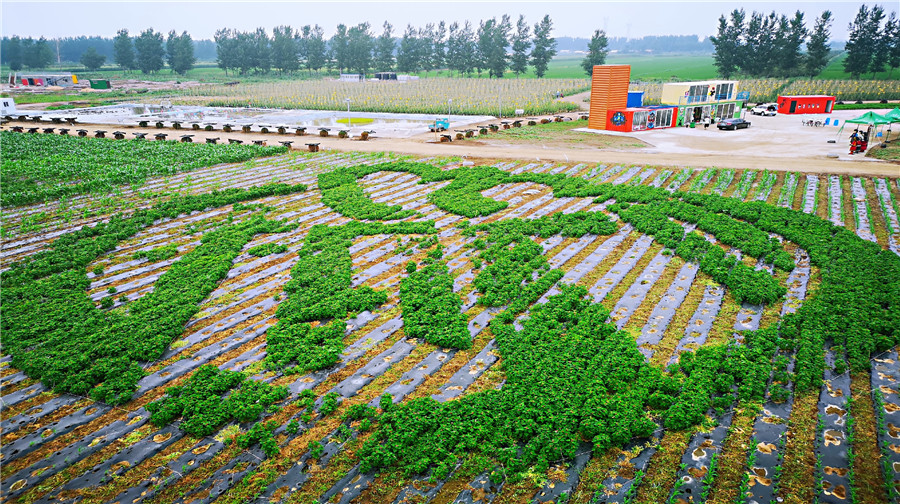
(343, 134)
(323, 132)
(159, 124)
(246, 128)
(227, 128)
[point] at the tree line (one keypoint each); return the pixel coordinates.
(70, 50)
(872, 46)
(769, 45)
(494, 47)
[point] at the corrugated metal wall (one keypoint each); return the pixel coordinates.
(609, 90)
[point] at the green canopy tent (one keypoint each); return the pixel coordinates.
(894, 116)
(869, 119)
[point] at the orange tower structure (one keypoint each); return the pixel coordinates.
(609, 90)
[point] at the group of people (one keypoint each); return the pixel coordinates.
(859, 141)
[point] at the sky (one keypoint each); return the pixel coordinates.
(635, 18)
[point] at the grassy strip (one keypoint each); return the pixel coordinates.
(869, 486)
(797, 475)
(663, 468)
(590, 481)
(732, 459)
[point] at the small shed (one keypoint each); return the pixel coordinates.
(635, 99)
(100, 84)
(385, 75)
(805, 104)
(351, 78)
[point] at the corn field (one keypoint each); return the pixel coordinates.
(432, 96)
(767, 90)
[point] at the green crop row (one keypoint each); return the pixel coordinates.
(47, 167)
(320, 290)
(56, 333)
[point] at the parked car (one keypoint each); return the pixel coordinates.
(766, 109)
(733, 124)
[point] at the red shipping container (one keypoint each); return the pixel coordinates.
(805, 104)
(647, 118)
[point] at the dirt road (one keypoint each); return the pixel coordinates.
(424, 145)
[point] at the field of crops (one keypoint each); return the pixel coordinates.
(370, 328)
(470, 96)
(70, 166)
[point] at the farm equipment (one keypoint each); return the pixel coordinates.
(439, 125)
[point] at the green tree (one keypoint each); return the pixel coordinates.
(817, 50)
(597, 51)
(880, 37)
(150, 52)
(384, 49)
(37, 53)
(758, 53)
(360, 43)
(227, 49)
(14, 54)
(408, 56)
(454, 54)
(339, 50)
(92, 60)
(183, 58)
(123, 50)
(284, 49)
(894, 35)
(439, 46)
(859, 49)
(316, 50)
(728, 43)
(262, 50)
(791, 58)
(521, 42)
(544, 46)
(425, 42)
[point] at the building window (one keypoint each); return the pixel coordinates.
(639, 121)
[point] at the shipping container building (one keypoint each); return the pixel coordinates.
(805, 104)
